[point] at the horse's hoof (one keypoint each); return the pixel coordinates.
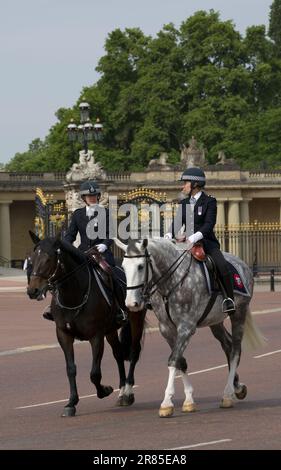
(68, 411)
(104, 391)
(126, 400)
(242, 393)
(119, 401)
(166, 411)
(226, 403)
(189, 407)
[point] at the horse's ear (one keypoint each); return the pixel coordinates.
(144, 243)
(120, 244)
(34, 237)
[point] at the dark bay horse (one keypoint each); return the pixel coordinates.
(179, 298)
(81, 312)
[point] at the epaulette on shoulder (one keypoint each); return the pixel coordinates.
(210, 195)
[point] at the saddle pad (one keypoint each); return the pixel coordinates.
(239, 285)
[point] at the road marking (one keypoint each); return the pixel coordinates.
(63, 400)
(271, 310)
(268, 354)
(39, 347)
(200, 444)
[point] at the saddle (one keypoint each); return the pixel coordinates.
(198, 252)
(111, 279)
(97, 259)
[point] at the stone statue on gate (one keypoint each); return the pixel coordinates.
(86, 169)
(192, 156)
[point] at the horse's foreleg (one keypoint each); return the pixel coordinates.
(115, 344)
(97, 345)
(188, 405)
(66, 342)
(176, 362)
(169, 332)
(167, 406)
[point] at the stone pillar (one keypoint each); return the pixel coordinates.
(233, 212)
(233, 226)
(5, 230)
(244, 213)
(220, 212)
(280, 213)
(220, 225)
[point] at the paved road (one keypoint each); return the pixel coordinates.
(34, 387)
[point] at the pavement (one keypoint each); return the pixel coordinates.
(14, 280)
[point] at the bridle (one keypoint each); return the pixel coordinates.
(149, 287)
(54, 283)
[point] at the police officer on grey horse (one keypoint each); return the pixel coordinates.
(89, 222)
(204, 209)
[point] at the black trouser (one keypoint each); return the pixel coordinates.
(222, 268)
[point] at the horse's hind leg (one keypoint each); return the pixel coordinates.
(240, 390)
(115, 344)
(137, 320)
(66, 343)
(225, 339)
(97, 345)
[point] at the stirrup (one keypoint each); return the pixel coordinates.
(228, 305)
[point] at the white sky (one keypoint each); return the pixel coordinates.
(50, 48)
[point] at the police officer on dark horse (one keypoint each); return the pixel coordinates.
(204, 208)
(81, 218)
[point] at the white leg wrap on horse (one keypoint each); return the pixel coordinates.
(188, 405)
(167, 406)
(128, 389)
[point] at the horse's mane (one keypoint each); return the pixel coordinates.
(166, 245)
(76, 254)
(50, 245)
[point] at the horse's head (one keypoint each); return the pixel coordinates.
(44, 264)
(136, 266)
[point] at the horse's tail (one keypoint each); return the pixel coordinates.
(252, 338)
(125, 338)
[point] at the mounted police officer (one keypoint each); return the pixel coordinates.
(90, 221)
(90, 193)
(204, 210)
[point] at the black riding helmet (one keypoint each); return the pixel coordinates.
(90, 188)
(195, 175)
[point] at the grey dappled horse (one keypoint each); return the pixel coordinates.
(147, 265)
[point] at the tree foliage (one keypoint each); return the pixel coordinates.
(153, 94)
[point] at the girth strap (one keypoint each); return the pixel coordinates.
(209, 307)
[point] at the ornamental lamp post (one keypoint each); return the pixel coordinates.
(85, 132)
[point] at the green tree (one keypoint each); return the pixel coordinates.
(274, 31)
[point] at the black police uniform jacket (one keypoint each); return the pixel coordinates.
(205, 216)
(79, 222)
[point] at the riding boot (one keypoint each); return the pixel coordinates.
(121, 314)
(228, 305)
(47, 314)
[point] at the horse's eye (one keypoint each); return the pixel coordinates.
(140, 267)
